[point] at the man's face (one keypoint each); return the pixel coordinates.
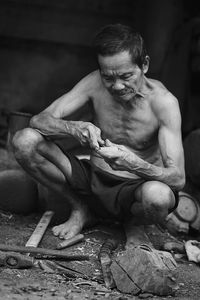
(120, 76)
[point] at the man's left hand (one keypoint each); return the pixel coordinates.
(117, 156)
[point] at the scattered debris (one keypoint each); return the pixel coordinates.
(174, 246)
(192, 248)
(18, 282)
(6, 215)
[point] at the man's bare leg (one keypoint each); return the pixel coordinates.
(47, 164)
(153, 200)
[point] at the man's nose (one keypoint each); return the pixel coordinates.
(118, 85)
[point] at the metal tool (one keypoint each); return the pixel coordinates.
(15, 260)
(12, 257)
(43, 251)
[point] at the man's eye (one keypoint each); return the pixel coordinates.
(107, 78)
(126, 77)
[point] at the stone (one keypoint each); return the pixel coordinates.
(145, 270)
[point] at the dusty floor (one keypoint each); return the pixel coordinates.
(35, 283)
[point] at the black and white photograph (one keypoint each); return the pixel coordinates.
(99, 149)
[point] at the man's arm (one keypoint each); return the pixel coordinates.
(50, 122)
(170, 142)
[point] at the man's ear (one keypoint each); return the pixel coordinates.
(145, 65)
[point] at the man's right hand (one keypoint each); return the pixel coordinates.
(87, 133)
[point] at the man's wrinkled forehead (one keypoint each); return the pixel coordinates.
(121, 62)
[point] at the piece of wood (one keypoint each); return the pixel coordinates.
(40, 229)
(175, 246)
(105, 259)
(43, 251)
(69, 242)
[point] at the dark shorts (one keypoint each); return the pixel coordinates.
(107, 195)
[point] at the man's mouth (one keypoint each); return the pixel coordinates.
(124, 93)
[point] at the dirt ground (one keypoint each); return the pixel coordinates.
(35, 283)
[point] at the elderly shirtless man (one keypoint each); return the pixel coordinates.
(136, 166)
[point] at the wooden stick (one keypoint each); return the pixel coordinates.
(69, 242)
(40, 229)
(105, 259)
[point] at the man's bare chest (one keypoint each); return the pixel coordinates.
(132, 125)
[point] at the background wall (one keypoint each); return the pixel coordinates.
(45, 48)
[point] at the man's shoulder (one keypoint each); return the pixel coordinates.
(156, 84)
(91, 82)
(162, 97)
(159, 89)
(93, 78)
(163, 101)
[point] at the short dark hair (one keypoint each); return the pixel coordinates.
(115, 38)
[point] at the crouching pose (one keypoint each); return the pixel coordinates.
(136, 165)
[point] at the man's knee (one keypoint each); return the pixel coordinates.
(157, 195)
(25, 142)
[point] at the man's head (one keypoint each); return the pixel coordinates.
(115, 38)
(122, 59)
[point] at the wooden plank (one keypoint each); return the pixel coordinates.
(40, 229)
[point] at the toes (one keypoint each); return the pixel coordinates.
(55, 230)
(69, 235)
(59, 230)
(63, 232)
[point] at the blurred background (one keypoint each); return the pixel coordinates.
(45, 49)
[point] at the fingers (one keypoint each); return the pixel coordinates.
(95, 139)
(108, 152)
(108, 143)
(101, 142)
(90, 137)
(85, 134)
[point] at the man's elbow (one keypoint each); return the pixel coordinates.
(33, 120)
(180, 181)
(37, 119)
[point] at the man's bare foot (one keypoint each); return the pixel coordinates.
(74, 225)
(135, 235)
